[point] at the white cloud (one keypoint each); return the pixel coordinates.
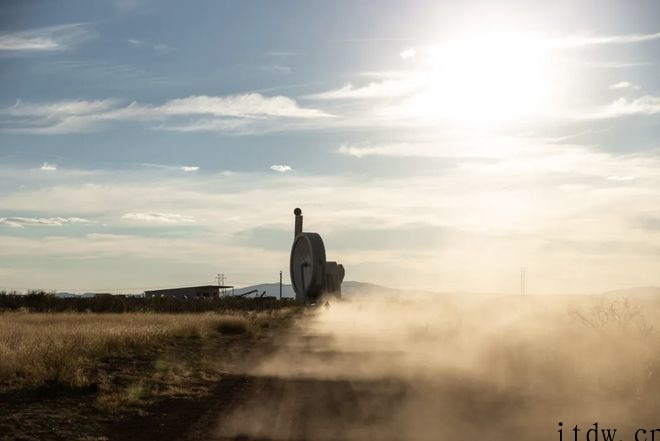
(620, 178)
(68, 116)
(48, 167)
(396, 149)
(162, 218)
(250, 105)
(134, 42)
(46, 39)
(233, 125)
(20, 222)
(644, 105)
(388, 88)
(216, 113)
(593, 40)
(509, 79)
(59, 108)
(408, 54)
(520, 198)
(624, 85)
(281, 168)
(456, 146)
(185, 168)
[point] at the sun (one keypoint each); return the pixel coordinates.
(483, 79)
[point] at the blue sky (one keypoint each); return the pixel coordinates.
(438, 145)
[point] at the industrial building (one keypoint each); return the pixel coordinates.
(191, 292)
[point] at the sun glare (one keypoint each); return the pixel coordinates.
(483, 79)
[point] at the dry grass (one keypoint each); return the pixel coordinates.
(61, 349)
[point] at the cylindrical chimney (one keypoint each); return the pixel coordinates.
(299, 220)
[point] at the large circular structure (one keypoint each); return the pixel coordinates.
(307, 265)
(311, 275)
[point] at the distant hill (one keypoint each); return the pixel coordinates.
(647, 292)
(86, 295)
(352, 288)
(348, 288)
(65, 295)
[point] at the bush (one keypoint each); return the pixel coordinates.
(41, 301)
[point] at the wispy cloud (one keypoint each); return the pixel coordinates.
(396, 149)
(184, 168)
(46, 39)
(48, 167)
(21, 222)
(644, 105)
(593, 40)
(388, 88)
(408, 54)
(68, 116)
(624, 85)
(160, 218)
(250, 105)
(282, 168)
(216, 113)
(233, 125)
(189, 168)
(67, 108)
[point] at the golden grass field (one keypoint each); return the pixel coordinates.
(62, 348)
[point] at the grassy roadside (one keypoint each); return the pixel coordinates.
(68, 375)
(63, 349)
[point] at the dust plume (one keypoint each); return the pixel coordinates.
(460, 367)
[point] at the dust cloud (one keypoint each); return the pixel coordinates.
(465, 367)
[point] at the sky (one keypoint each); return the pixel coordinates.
(434, 145)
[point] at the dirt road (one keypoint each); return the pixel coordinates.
(249, 405)
(326, 384)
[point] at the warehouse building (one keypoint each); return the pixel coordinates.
(191, 292)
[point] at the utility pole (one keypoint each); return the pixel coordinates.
(522, 281)
(280, 285)
(221, 282)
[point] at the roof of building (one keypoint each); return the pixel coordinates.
(192, 287)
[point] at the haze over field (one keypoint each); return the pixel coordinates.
(421, 367)
(436, 145)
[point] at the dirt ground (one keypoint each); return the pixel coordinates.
(498, 369)
(394, 371)
(256, 406)
(239, 403)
